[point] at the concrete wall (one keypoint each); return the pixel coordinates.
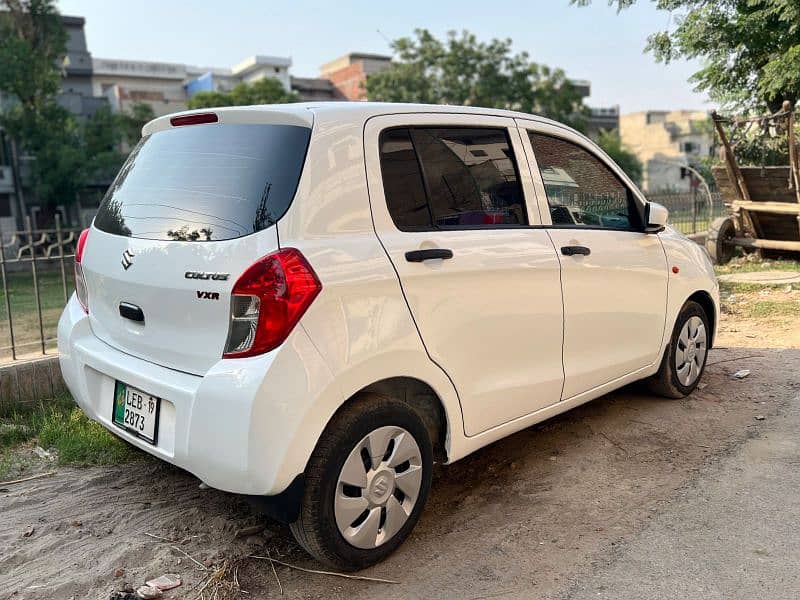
(28, 383)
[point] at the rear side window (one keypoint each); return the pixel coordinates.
(402, 181)
(205, 182)
(445, 178)
(581, 190)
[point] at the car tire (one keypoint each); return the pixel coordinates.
(683, 364)
(328, 527)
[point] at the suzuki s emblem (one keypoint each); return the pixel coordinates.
(127, 259)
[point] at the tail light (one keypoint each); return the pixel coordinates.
(267, 302)
(80, 281)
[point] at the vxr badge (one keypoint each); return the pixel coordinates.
(127, 259)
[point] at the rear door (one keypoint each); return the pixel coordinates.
(613, 275)
(191, 209)
(452, 209)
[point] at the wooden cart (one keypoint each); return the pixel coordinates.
(764, 201)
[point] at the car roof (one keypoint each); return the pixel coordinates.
(304, 113)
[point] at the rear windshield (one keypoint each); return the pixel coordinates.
(205, 182)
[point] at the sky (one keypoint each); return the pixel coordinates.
(593, 43)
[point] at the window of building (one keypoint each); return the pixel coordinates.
(5, 205)
(581, 190)
(689, 147)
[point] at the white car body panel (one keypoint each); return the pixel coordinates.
(491, 316)
(614, 317)
(250, 425)
(181, 331)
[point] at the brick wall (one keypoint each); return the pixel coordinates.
(349, 81)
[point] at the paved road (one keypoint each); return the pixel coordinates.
(734, 534)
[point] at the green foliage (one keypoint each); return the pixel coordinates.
(267, 90)
(462, 70)
(132, 122)
(611, 143)
(66, 154)
(80, 441)
(750, 48)
(58, 424)
(32, 43)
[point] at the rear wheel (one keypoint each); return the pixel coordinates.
(719, 241)
(366, 484)
(685, 359)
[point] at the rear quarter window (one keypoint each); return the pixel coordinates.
(206, 182)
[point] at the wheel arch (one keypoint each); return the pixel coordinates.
(706, 302)
(420, 397)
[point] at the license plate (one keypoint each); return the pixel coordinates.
(136, 412)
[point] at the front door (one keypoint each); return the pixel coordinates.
(449, 203)
(613, 276)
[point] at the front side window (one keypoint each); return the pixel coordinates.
(451, 178)
(581, 190)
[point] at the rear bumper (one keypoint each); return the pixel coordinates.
(239, 428)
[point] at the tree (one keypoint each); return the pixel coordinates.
(131, 123)
(611, 143)
(266, 90)
(32, 44)
(463, 70)
(750, 48)
(66, 153)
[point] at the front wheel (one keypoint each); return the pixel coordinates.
(685, 359)
(366, 484)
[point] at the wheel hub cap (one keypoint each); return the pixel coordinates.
(378, 487)
(691, 350)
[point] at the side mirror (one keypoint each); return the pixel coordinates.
(655, 217)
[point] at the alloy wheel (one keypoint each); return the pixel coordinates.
(378, 487)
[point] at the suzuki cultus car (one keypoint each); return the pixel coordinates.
(313, 303)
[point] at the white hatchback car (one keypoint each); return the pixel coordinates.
(312, 303)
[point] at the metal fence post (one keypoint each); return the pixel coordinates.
(7, 297)
(36, 282)
(694, 210)
(60, 242)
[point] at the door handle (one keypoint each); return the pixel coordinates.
(573, 250)
(131, 311)
(428, 254)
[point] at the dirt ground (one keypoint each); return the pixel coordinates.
(521, 518)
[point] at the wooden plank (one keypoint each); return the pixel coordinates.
(726, 187)
(767, 244)
(727, 157)
(794, 159)
(784, 208)
(769, 183)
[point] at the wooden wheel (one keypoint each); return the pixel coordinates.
(719, 240)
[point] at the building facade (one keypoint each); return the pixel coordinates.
(167, 87)
(666, 142)
(348, 74)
